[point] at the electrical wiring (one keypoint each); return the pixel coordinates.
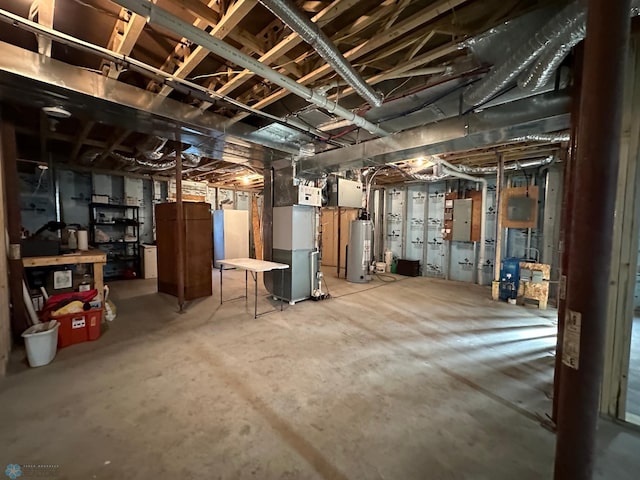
(382, 276)
(42, 172)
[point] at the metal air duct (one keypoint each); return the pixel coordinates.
(503, 75)
(314, 36)
(161, 17)
(182, 85)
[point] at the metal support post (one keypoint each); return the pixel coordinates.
(595, 182)
(180, 258)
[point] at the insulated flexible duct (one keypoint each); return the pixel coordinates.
(550, 60)
(152, 147)
(543, 137)
(503, 75)
(314, 36)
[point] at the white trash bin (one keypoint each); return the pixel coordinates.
(42, 343)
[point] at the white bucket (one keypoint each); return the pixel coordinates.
(42, 342)
(381, 267)
(388, 259)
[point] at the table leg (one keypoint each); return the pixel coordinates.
(98, 279)
(246, 287)
(281, 288)
(220, 284)
(255, 300)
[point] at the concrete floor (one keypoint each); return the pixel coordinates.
(407, 380)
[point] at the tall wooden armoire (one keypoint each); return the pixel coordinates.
(198, 249)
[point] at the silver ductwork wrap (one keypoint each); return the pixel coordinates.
(517, 165)
(165, 162)
(312, 34)
(152, 147)
(504, 74)
(543, 137)
(550, 60)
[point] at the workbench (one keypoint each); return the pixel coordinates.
(254, 266)
(96, 258)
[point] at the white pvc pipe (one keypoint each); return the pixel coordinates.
(313, 272)
(27, 301)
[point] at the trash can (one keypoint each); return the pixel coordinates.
(41, 342)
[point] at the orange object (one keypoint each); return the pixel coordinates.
(79, 327)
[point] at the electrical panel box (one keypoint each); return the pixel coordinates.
(462, 209)
(309, 196)
(345, 193)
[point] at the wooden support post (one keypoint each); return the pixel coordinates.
(5, 311)
(256, 223)
(495, 285)
(180, 257)
(11, 184)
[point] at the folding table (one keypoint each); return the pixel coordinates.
(254, 266)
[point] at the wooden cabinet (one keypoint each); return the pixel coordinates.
(198, 249)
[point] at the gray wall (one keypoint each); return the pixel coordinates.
(414, 221)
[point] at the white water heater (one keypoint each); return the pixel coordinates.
(360, 251)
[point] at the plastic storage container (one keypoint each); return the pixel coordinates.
(41, 343)
(79, 327)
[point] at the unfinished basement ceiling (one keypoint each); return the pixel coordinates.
(169, 94)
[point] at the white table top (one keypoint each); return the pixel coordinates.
(253, 265)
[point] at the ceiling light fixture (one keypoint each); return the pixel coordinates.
(56, 112)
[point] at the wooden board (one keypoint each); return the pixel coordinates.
(447, 226)
(476, 213)
(347, 215)
(256, 223)
(329, 223)
(532, 192)
(336, 222)
(91, 256)
(535, 291)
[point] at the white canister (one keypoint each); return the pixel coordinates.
(83, 240)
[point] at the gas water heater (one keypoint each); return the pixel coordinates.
(360, 251)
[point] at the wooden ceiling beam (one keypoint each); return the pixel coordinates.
(337, 8)
(364, 22)
(42, 12)
(82, 137)
(123, 38)
(419, 19)
(419, 46)
(428, 57)
(228, 22)
(72, 139)
(114, 143)
(401, 7)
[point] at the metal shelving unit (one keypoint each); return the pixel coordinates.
(119, 238)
